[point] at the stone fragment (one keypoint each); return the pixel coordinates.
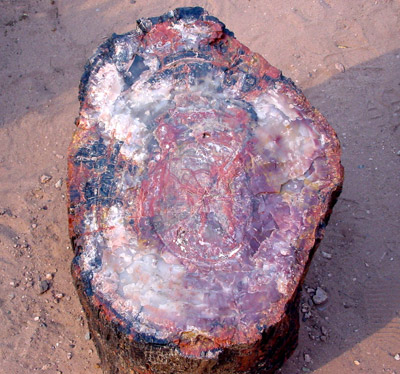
(200, 183)
(340, 67)
(58, 184)
(46, 366)
(44, 178)
(44, 286)
(320, 296)
(326, 255)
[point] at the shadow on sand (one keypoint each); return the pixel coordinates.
(363, 236)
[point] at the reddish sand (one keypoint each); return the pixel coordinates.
(345, 56)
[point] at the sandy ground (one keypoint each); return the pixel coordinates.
(345, 56)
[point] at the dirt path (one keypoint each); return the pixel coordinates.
(345, 55)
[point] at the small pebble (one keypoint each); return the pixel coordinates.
(311, 336)
(11, 296)
(44, 178)
(305, 308)
(397, 357)
(58, 184)
(69, 355)
(307, 358)
(37, 318)
(310, 290)
(348, 305)
(44, 286)
(340, 67)
(49, 276)
(320, 296)
(34, 225)
(356, 362)
(23, 16)
(59, 295)
(326, 255)
(88, 336)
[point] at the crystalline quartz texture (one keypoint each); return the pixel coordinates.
(217, 202)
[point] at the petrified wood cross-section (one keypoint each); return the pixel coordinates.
(200, 182)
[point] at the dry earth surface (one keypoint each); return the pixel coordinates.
(345, 56)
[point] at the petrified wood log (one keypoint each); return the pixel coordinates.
(200, 182)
